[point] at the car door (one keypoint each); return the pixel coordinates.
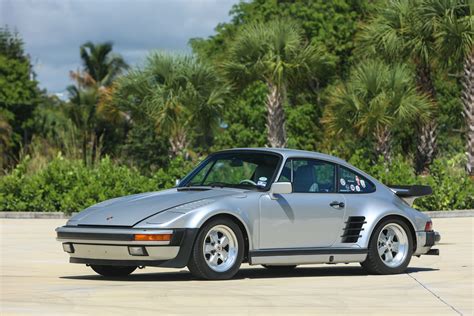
(311, 216)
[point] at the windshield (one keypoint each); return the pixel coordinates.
(234, 169)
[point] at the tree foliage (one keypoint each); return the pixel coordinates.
(181, 96)
(388, 86)
(331, 24)
(90, 107)
(19, 94)
(276, 54)
(375, 98)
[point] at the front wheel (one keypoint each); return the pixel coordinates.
(113, 271)
(390, 248)
(218, 250)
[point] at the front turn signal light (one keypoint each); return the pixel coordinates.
(152, 237)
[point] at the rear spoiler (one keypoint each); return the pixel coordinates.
(409, 193)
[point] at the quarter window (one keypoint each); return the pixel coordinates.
(309, 175)
(350, 182)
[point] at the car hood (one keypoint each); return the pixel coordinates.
(129, 210)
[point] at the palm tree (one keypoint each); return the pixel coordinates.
(452, 23)
(276, 54)
(468, 101)
(82, 112)
(375, 97)
(91, 94)
(179, 94)
(100, 63)
(398, 32)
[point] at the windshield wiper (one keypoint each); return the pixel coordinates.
(219, 184)
(230, 185)
(192, 188)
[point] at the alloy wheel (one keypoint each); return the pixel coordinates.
(220, 248)
(392, 245)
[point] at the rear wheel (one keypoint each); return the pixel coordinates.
(390, 248)
(113, 271)
(218, 251)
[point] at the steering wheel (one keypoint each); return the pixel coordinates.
(247, 181)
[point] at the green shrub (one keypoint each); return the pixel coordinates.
(452, 188)
(176, 170)
(69, 186)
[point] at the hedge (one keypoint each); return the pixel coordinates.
(69, 186)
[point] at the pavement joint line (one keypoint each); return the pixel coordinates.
(435, 295)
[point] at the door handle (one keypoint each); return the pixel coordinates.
(337, 204)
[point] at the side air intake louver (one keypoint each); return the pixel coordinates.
(353, 228)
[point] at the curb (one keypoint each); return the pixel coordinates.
(450, 214)
(61, 215)
(34, 215)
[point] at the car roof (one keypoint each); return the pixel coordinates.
(287, 153)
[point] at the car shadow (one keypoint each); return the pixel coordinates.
(245, 273)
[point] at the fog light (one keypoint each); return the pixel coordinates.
(137, 251)
(68, 247)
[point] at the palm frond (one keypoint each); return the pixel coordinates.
(100, 63)
(276, 53)
(177, 93)
(376, 96)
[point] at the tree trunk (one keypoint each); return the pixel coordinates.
(426, 148)
(94, 138)
(427, 132)
(275, 117)
(383, 146)
(468, 102)
(85, 139)
(178, 142)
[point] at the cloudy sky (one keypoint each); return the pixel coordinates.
(53, 30)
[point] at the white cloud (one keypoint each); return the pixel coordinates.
(53, 30)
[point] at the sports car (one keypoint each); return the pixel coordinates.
(273, 207)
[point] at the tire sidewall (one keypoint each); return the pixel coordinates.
(373, 248)
(199, 261)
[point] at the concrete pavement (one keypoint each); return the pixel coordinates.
(36, 278)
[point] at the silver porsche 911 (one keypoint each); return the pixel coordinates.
(273, 207)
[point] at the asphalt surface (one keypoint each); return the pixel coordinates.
(36, 278)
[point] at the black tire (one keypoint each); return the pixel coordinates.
(197, 264)
(113, 271)
(374, 264)
(279, 268)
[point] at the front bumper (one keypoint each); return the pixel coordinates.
(111, 246)
(426, 240)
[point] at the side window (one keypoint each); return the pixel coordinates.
(285, 175)
(309, 175)
(350, 182)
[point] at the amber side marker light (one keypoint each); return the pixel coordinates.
(429, 226)
(152, 237)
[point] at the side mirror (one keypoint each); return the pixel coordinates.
(280, 188)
